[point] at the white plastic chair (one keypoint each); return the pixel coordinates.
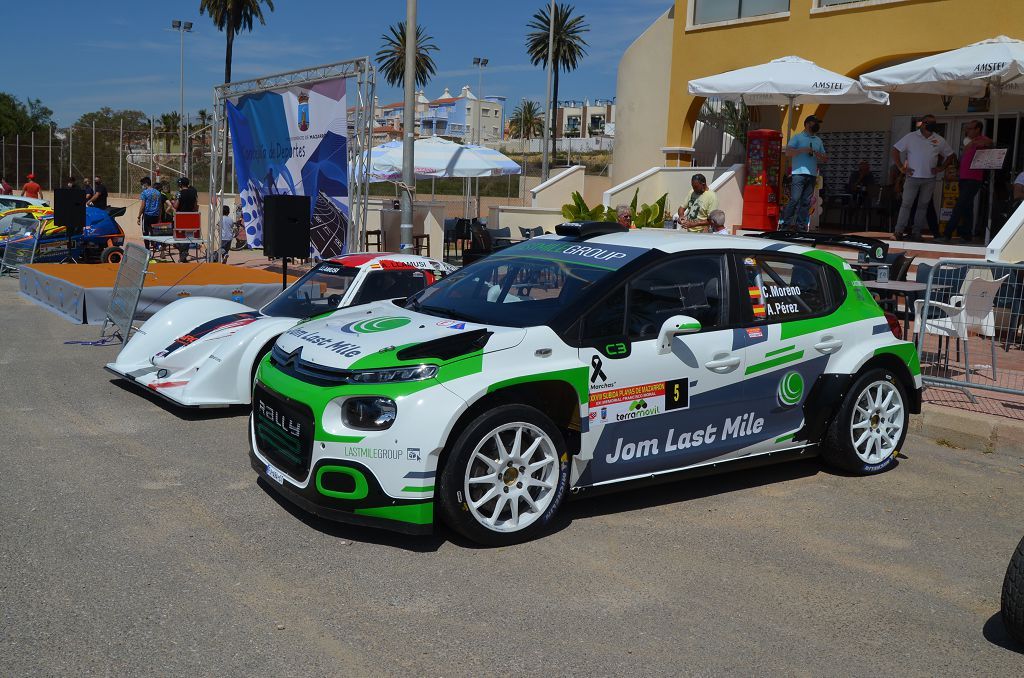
(972, 311)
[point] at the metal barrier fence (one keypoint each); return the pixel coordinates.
(18, 254)
(968, 326)
(124, 300)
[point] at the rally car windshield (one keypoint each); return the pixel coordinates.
(14, 225)
(508, 290)
(319, 291)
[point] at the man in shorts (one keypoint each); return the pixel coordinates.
(149, 209)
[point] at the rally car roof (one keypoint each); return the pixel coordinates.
(676, 241)
(361, 259)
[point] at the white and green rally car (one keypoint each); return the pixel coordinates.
(578, 362)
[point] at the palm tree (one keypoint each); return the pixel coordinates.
(233, 16)
(169, 123)
(526, 121)
(569, 46)
(203, 119)
(391, 56)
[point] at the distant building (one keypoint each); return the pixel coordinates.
(463, 118)
(583, 120)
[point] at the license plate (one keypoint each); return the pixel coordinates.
(275, 474)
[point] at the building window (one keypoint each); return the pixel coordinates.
(833, 3)
(713, 11)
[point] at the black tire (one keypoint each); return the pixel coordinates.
(451, 494)
(837, 447)
(112, 255)
(256, 363)
(1012, 604)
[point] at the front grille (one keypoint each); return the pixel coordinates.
(284, 431)
(293, 365)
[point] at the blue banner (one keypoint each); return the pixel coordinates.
(294, 142)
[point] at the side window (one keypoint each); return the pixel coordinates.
(606, 321)
(390, 285)
(691, 285)
(782, 288)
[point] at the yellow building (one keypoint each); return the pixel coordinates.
(698, 38)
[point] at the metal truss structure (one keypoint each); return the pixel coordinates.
(359, 140)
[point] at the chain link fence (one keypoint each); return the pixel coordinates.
(120, 157)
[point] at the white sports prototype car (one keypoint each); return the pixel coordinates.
(203, 352)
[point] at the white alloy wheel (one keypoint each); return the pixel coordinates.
(511, 477)
(876, 426)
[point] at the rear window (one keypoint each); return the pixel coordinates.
(782, 288)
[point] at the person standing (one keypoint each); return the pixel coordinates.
(5, 188)
(227, 232)
(962, 219)
(149, 209)
(699, 205)
(921, 155)
(99, 194)
(717, 221)
(805, 151)
(186, 200)
(31, 189)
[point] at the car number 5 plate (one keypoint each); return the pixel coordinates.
(275, 474)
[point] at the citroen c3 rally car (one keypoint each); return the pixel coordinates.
(202, 351)
(580, 361)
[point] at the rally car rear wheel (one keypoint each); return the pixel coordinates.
(506, 476)
(867, 433)
(1012, 602)
(112, 255)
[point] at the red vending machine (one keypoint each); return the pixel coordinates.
(763, 191)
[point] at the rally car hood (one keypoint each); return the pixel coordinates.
(345, 338)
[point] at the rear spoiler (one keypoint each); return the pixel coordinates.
(873, 248)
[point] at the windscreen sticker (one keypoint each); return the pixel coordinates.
(604, 256)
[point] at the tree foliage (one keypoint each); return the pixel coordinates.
(232, 17)
(18, 117)
(391, 56)
(569, 45)
(527, 121)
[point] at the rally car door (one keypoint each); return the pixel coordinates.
(790, 335)
(652, 412)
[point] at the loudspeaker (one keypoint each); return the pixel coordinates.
(286, 226)
(69, 209)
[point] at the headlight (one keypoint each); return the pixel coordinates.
(414, 373)
(369, 414)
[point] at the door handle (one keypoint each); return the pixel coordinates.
(828, 345)
(723, 363)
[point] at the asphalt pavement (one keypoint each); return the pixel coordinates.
(135, 540)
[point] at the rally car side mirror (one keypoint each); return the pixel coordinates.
(677, 324)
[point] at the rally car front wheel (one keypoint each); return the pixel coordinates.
(871, 425)
(505, 477)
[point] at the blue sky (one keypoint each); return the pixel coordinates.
(124, 55)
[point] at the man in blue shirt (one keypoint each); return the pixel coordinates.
(805, 151)
(149, 208)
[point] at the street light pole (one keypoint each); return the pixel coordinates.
(481, 64)
(549, 114)
(409, 125)
(182, 27)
